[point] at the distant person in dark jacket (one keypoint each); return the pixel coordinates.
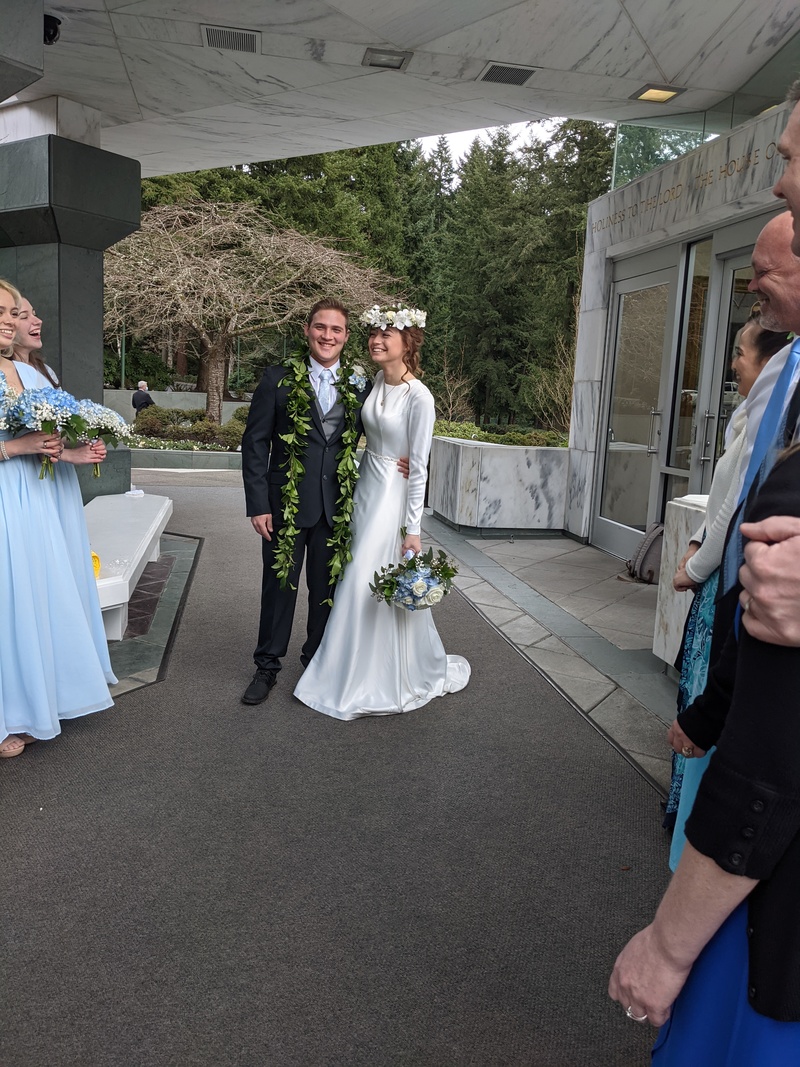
(141, 399)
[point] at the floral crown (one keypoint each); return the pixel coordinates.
(393, 315)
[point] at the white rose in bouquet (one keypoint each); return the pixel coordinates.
(434, 595)
(419, 587)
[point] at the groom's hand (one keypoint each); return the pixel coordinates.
(402, 466)
(262, 524)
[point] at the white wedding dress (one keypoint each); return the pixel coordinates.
(376, 659)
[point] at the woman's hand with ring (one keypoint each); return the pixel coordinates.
(645, 981)
(682, 744)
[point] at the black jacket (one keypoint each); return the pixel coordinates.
(747, 813)
(141, 399)
(264, 455)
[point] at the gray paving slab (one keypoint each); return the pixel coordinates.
(584, 626)
(631, 725)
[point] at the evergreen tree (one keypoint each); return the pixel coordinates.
(488, 307)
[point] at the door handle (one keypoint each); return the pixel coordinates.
(652, 449)
(709, 417)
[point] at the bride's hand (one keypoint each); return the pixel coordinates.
(412, 543)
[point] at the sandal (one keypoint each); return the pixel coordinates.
(26, 739)
(12, 746)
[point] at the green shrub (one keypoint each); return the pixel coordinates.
(469, 431)
(203, 430)
(193, 416)
(153, 421)
(230, 434)
(240, 414)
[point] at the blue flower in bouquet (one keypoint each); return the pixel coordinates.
(45, 410)
(418, 582)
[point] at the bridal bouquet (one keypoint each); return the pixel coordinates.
(47, 409)
(93, 420)
(418, 582)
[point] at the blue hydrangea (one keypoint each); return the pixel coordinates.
(42, 409)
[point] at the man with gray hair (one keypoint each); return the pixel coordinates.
(141, 399)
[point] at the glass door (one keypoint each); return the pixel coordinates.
(631, 467)
(735, 308)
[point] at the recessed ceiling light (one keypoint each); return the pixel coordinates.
(386, 58)
(658, 94)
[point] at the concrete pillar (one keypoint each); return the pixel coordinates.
(21, 45)
(62, 203)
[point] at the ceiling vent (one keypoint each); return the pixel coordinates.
(231, 40)
(504, 74)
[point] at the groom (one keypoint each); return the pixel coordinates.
(264, 456)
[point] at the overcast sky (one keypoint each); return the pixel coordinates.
(460, 142)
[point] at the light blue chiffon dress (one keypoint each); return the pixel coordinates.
(69, 504)
(50, 668)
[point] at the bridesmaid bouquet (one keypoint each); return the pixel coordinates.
(7, 398)
(418, 582)
(92, 421)
(47, 409)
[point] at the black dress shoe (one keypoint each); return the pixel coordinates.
(260, 687)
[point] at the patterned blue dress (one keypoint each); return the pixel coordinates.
(686, 774)
(49, 664)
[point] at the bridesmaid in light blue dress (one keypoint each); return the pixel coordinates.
(49, 667)
(69, 501)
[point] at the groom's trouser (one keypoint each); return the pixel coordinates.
(277, 605)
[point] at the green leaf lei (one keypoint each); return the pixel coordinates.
(298, 408)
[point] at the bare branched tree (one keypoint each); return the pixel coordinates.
(548, 390)
(213, 272)
(452, 390)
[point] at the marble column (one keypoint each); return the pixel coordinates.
(64, 201)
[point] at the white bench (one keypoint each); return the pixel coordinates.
(126, 528)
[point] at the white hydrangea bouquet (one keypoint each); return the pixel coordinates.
(92, 421)
(420, 581)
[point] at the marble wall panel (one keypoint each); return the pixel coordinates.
(730, 170)
(577, 514)
(754, 24)
(682, 519)
(54, 115)
(585, 413)
(522, 488)
(598, 38)
(591, 347)
(597, 271)
(489, 486)
(307, 18)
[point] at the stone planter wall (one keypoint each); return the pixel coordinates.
(504, 488)
(120, 401)
(166, 457)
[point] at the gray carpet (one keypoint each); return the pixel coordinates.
(192, 882)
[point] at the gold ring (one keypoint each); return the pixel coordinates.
(688, 750)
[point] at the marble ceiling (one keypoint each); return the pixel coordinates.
(175, 104)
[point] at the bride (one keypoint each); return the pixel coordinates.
(376, 659)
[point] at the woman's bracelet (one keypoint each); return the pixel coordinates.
(3, 452)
